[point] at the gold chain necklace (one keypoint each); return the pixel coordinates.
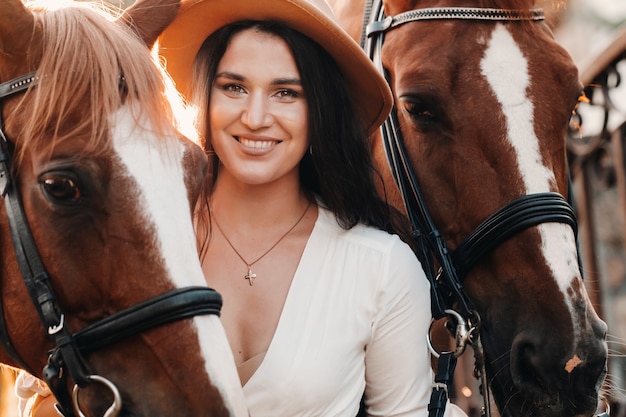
(250, 276)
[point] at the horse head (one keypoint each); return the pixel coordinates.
(106, 187)
(483, 96)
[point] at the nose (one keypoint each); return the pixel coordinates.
(545, 367)
(256, 113)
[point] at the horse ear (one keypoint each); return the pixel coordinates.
(16, 27)
(150, 17)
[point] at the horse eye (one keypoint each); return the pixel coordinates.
(61, 188)
(420, 110)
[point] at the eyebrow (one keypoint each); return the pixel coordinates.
(277, 81)
(230, 75)
(288, 81)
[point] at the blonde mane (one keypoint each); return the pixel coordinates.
(89, 67)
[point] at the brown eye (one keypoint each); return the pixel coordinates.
(61, 188)
(419, 110)
(422, 111)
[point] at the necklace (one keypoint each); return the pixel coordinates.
(250, 276)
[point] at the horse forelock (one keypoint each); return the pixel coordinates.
(89, 67)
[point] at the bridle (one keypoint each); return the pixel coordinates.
(445, 269)
(68, 354)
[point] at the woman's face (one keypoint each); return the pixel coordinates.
(258, 111)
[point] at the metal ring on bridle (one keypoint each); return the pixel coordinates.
(462, 335)
(116, 406)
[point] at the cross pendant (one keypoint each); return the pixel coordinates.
(250, 276)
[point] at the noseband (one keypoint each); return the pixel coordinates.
(70, 348)
(448, 296)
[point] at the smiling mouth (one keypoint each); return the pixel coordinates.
(256, 144)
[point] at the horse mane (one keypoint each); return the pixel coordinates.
(84, 57)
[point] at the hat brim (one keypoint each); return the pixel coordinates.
(197, 19)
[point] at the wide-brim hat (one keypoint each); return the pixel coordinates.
(197, 19)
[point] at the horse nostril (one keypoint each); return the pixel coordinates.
(526, 369)
(547, 374)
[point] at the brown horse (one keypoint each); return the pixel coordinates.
(99, 187)
(483, 95)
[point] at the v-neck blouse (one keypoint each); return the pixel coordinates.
(355, 318)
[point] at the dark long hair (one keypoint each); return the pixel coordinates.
(339, 168)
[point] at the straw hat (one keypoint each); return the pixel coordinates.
(197, 19)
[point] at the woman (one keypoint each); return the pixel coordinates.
(322, 303)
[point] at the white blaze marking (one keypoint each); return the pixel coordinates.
(506, 70)
(157, 168)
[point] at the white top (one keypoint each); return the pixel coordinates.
(356, 317)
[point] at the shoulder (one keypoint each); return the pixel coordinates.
(373, 252)
(366, 237)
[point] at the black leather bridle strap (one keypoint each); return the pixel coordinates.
(166, 308)
(172, 306)
(446, 287)
(33, 272)
(4, 184)
(522, 213)
(443, 384)
(32, 269)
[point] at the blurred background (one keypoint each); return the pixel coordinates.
(594, 33)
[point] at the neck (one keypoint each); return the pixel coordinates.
(258, 206)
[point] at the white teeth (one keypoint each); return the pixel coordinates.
(256, 144)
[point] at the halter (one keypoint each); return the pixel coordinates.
(70, 348)
(448, 296)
